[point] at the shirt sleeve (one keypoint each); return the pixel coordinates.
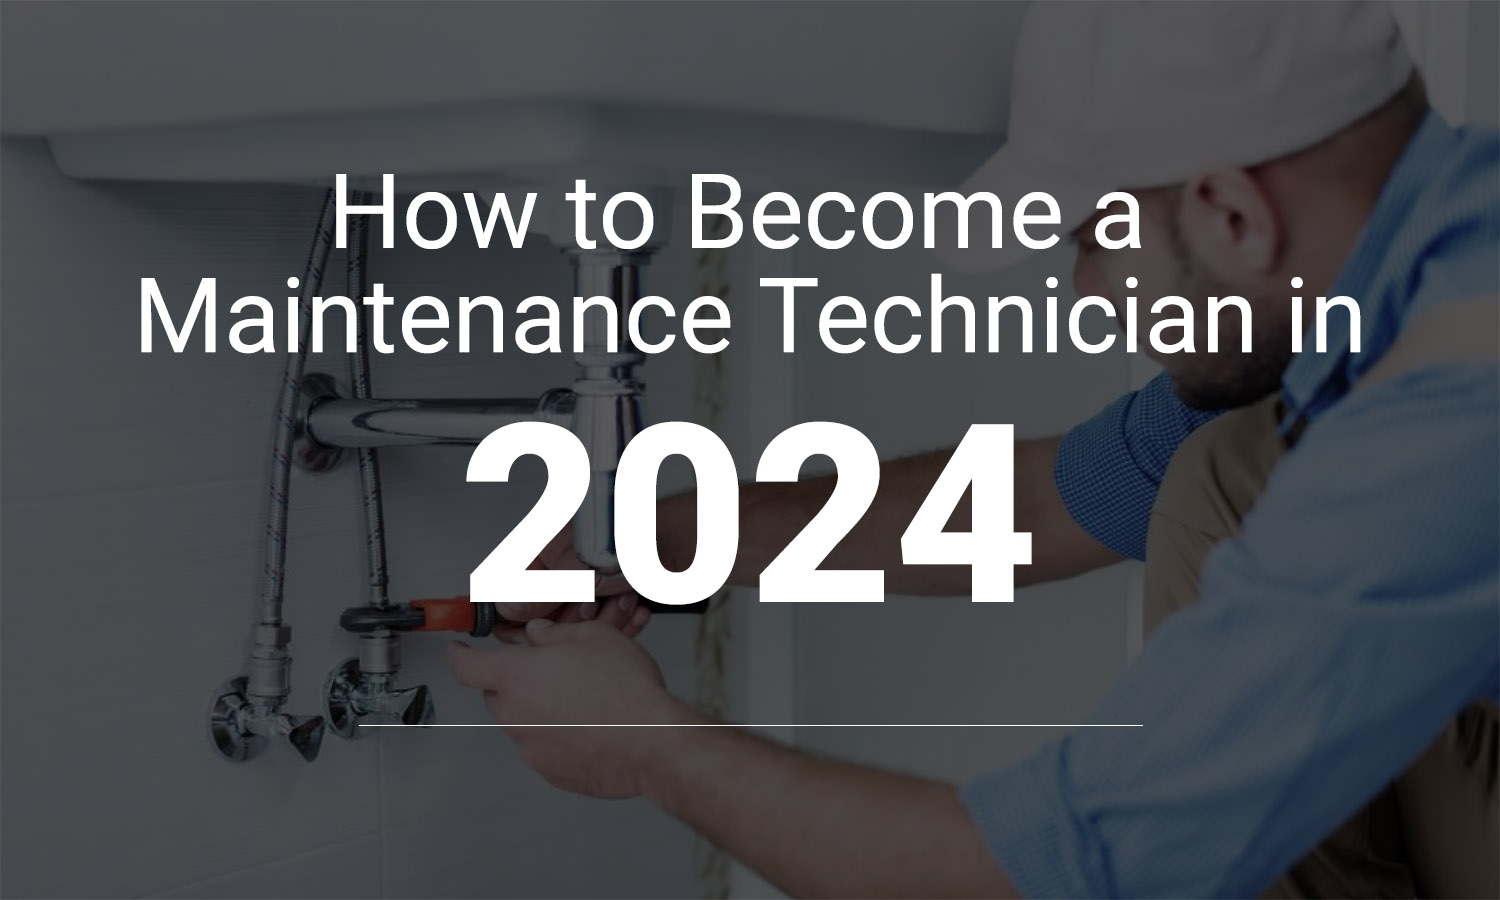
(1109, 467)
(1352, 618)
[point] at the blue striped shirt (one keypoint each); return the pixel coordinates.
(1356, 613)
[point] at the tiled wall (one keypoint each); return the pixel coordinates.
(132, 512)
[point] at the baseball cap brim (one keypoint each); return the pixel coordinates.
(1010, 176)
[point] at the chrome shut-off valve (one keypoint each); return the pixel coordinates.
(245, 713)
(241, 729)
(361, 690)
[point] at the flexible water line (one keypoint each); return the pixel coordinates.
(286, 420)
(359, 382)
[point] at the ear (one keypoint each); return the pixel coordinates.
(1229, 222)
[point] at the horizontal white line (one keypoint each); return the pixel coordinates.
(735, 725)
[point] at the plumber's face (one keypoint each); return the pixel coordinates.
(1164, 265)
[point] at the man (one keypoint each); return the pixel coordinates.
(1351, 617)
(1433, 832)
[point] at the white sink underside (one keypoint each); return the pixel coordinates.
(896, 93)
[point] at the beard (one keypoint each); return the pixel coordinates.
(1229, 378)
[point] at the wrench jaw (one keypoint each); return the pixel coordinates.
(456, 614)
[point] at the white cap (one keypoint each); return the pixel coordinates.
(1126, 95)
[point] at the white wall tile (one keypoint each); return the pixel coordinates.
(349, 870)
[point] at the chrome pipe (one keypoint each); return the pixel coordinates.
(616, 275)
(351, 423)
(608, 411)
(608, 416)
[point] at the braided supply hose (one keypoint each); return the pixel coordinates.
(286, 425)
(359, 385)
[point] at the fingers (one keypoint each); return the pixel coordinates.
(558, 554)
(639, 619)
(510, 632)
(610, 584)
(614, 611)
(479, 669)
(624, 612)
(525, 612)
(545, 632)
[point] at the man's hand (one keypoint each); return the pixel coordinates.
(576, 674)
(617, 605)
(811, 826)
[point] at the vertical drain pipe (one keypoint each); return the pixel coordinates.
(607, 414)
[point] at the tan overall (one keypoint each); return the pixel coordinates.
(1433, 831)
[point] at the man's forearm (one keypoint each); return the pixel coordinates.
(771, 515)
(817, 827)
